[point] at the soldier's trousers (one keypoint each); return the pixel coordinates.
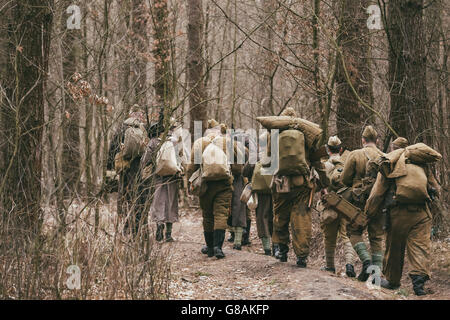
(375, 231)
(331, 232)
(292, 208)
(410, 230)
(215, 205)
(264, 215)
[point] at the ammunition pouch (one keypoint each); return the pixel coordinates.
(361, 191)
(348, 210)
(327, 215)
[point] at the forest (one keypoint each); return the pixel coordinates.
(72, 70)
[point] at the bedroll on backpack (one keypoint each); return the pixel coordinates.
(312, 131)
(134, 142)
(215, 163)
(412, 188)
(420, 153)
(166, 160)
(292, 160)
(260, 183)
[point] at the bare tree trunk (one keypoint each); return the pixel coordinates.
(71, 156)
(162, 55)
(140, 48)
(436, 78)
(23, 109)
(195, 64)
(353, 41)
(266, 62)
(220, 82)
(410, 113)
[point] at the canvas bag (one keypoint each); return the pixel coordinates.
(252, 203)
(361, 192)
(260, 183)
(215, 162)
(166, 160)
(246, 193)
(412, 188)
(420, 153)
(135, 139)
(377, 195)
(292, 159)
(197, 187)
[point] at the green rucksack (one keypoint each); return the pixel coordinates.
(260, 183)
(292, 158)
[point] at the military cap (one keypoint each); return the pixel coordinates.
(370, 133)
(334, 141)
(400, 142)
(212, 123)
(290, 112)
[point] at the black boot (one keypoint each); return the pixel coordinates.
(169, 232)
(219, 237)
(332, 270)
(364, 275)
(231, 238)
(281, 252)
(350, 271)
(246, 234)
(418, 282)
(274, 249)
(209, 239)
(204, 249)
(160, 232)
(268, 252)
(301, 263)
(387, 285)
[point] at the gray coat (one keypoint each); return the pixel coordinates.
(238, 208)
(164, 202)
(164, 208)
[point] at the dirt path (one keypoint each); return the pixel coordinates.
(248, 274)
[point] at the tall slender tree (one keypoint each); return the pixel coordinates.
(22, 107)
(266, 58)
(71, 156)
(195, 64)
(410, 113)
(162, 56)
(353, 71)
(140, 45)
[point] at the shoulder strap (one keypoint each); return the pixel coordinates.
(365, 153)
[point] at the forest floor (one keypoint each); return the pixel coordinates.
(249, 274)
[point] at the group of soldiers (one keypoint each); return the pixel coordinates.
(141, 193)
(284, 215)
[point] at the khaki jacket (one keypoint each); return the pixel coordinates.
(355, 164)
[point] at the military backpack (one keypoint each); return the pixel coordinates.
(292, 154)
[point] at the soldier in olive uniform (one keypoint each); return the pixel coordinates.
(409, 230)
(215, 204)
(292, 208)
(352, 176)
(334, 166)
